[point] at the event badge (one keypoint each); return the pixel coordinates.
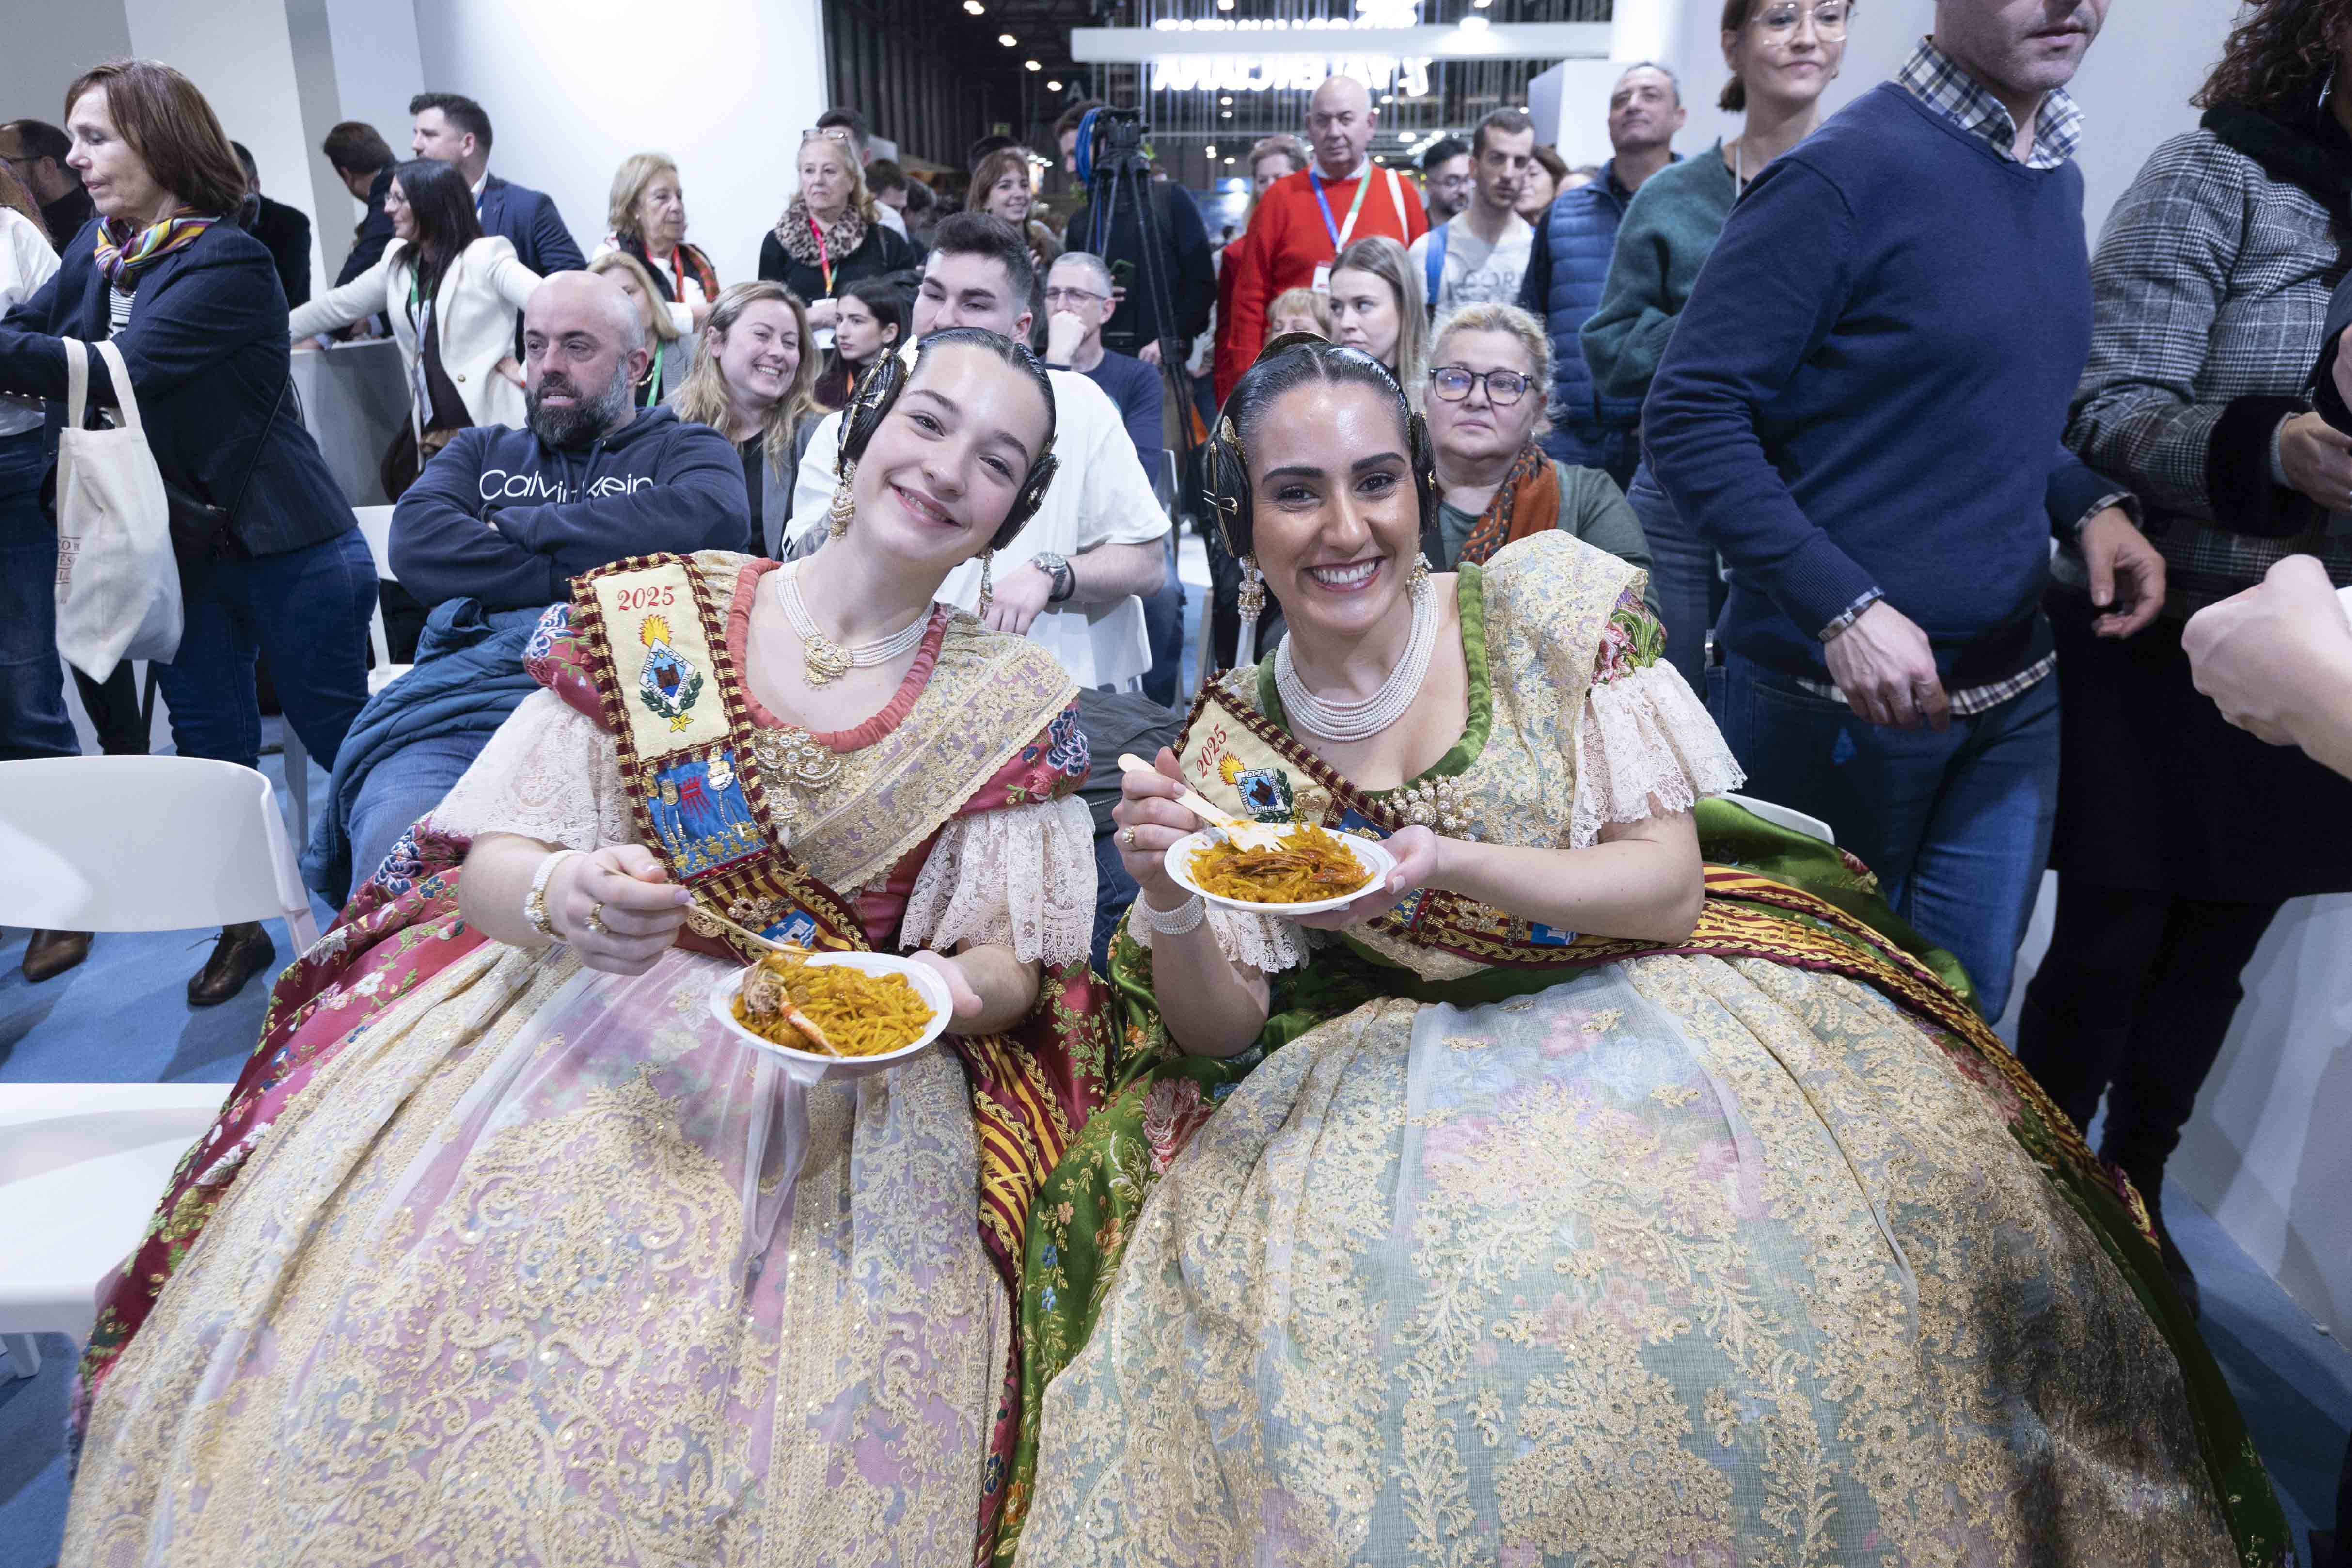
(1322, 278)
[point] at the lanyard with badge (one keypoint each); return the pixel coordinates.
(1337, 231)
(823, 257)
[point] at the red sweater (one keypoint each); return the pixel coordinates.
(1288, 240)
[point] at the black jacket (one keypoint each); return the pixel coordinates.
(286, 235)
(883, 252)
(207, 349)
(1182, 261)
(374, 232)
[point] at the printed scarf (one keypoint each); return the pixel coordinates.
(122, 253)
(1526, 502)
(842, 235)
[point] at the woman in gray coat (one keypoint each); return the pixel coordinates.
(2180, 836)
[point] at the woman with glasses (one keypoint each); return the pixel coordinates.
(1378, 306)
(829, 238)
(1563, 1198)
(1487, 366)
(1781, 53)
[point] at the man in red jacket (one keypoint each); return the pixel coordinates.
(1306, 219)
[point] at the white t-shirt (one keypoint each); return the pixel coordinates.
(1100, 495)
(25, 263)
(1476, 273)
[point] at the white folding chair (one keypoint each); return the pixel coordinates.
(81, 1166)
(1784, 816)
(375, 526)
(145, 844)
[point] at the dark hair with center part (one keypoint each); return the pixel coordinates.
(1042, 462)
(441, 204)
(1290, 361)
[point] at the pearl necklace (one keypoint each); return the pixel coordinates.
(824, 659)
(1349, 721)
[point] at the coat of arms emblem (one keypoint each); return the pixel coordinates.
(667, 684)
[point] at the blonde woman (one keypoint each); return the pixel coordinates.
(670, 351)
(646, 216)
(828, 237)
(754, 382)
(1377, 306)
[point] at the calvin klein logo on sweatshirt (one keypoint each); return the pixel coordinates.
(501, 484)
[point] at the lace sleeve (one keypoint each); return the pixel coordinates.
(1022, 875)
(549, 773)
(1265, 943)
(1645, 748)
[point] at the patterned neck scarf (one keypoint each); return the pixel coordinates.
(123, 253)
(1526, 502)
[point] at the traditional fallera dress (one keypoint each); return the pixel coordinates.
(1510, 1246)
(525, 1263)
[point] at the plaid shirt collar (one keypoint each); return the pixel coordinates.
(1943, 85)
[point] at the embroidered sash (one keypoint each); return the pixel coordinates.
(655, 648)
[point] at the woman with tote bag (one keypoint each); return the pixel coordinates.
(195, 307)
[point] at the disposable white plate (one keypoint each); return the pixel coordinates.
(811, 1066)
(1376, 861)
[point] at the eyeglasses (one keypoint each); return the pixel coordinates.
(830, 132)
(1780, 22)
(1073, 296)
(1504, 387)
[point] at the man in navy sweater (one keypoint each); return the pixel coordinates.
(492, 532)
(1861, 410)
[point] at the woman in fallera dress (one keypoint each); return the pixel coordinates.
(525, 1258)
(1564, 1199)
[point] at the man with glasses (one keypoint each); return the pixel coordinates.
(1478, 255)
(36, 151)
(1077, 303)
(1568, 265)
(1861, 410)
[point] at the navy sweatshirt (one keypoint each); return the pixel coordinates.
(1868, 385)
(654, 485)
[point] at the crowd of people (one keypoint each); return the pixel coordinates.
(1626, 1173)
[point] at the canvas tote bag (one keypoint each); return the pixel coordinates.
(118, 581)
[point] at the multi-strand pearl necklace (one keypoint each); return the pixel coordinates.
(1348, 721)
(824, 659)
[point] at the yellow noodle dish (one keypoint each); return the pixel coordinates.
(830, 1009)
(1305, 866)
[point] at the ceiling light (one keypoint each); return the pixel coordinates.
(1229, 160)
(974, 6)
(1032, 66)
(1228, 114)
(1224, 4)
(1474, 24)
(1210, 150)
(1226, 98)
(1480, 5)
(1053, 87)
(1007, 39)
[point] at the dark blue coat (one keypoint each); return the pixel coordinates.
(207, 353)
(1567, 266)
(529, 218)
(374, 234)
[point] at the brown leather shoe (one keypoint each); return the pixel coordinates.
(50, 954)
(242, 953)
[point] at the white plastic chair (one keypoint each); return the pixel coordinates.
(81, 1166)
(145, 844)
(1785, 816)
(375, 526)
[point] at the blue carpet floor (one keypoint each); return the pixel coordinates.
(122, 1017)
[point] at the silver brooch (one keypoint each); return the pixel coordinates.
(1439, 805)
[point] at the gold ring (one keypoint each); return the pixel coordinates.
(1127, 837)
(595, 920)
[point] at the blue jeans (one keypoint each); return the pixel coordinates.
(1163, 621)
(1957, 825)
(1612, 448)
(1114, 891)
(307, 610)
(1682, 573)
(403, 787)
(33, 721)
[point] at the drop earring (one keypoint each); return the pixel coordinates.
(844, 505)
(987, 559)
(1416, 576)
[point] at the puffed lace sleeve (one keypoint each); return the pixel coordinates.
(1022, 875)
(1266, 944)
(1644, 744)
(549, 773)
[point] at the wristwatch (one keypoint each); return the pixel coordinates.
(1066, 581)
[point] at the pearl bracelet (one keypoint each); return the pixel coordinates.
(534, 903)
(1185, 917)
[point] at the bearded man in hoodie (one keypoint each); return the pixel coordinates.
(491, 535)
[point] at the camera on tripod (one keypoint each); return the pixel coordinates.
(1116, 145)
